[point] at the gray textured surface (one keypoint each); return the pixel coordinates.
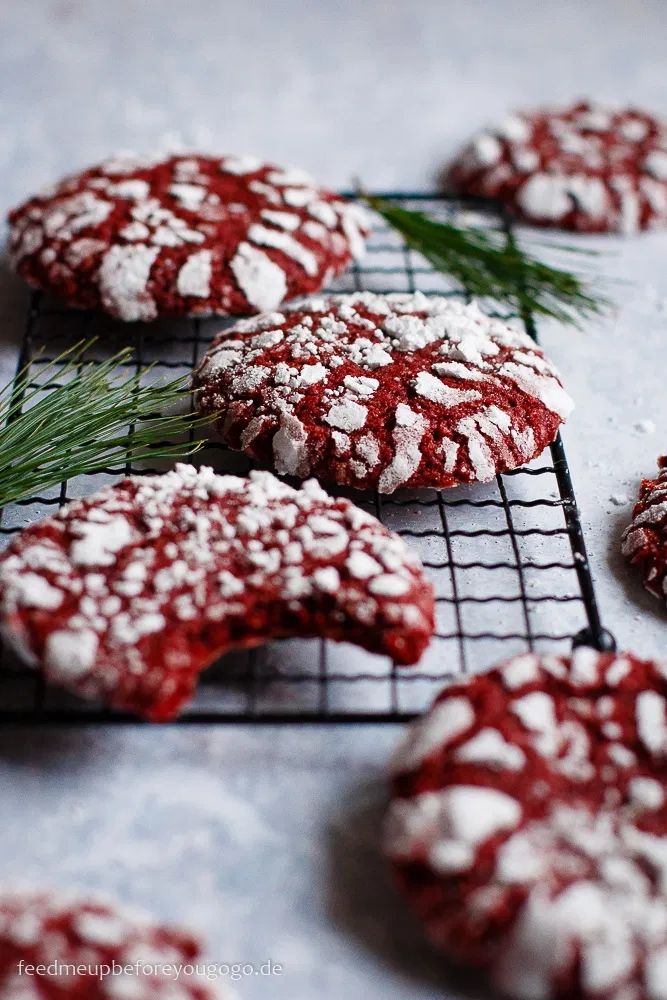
(265, 838)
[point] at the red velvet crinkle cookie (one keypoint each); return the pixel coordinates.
(382, 391)
(645, 539)
(528, 825)
(55, 945)
(127, 595)
(584, 167)
(183, 236)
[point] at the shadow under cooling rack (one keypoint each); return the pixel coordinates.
(507, 559)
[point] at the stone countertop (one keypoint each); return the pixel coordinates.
(265, 837)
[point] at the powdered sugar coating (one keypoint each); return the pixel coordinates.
(645, 539)
(586, 167)
(382, 391)
(127, 595)
(183, 236)
(54, 929)
(528, 825)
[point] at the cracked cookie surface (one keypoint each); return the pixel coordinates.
(528, 827)
(127, 595)
(585, 167)
(382, 391)
(188, 235)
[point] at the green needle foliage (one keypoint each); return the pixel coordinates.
(82, 418)
(489, 264)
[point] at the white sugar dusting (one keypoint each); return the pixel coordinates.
(521, 670)
(194, 277)
(448, 396)
(97, 542)
(240, 164)
(545, 388)
(551, 196)
(652, 721)
(260, 279)
(454, 821)
(262, 236)
(347, 416)
(82, 249)
(123, 279)
(289, 447)
(446, 720)
(284, 220)
(490, 749)
(479, 453)
(29, 589)
(407, 435)
(189, 196)
(70, 654)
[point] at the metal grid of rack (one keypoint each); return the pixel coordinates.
(507, 559)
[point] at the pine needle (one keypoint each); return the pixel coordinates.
(82, 418)
(490, 264)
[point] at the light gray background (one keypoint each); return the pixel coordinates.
(265, 838)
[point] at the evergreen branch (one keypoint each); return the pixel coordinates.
(490, 264)
(81, 418)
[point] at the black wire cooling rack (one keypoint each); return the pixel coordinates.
(508, 559)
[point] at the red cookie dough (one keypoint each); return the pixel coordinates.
(183, 236)
(584, 167)
(382, 391)
(645, 539)
(120, 953)
(127, 595)
(528, 825)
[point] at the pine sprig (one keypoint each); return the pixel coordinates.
(489, 264)
(82, 418)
